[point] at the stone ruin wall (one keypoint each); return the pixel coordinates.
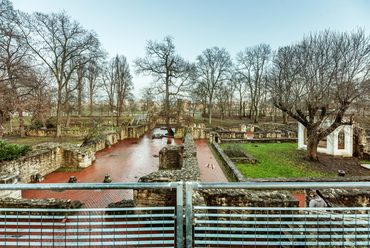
(189, 172)
(249, 198)
(171, 157)
(48, 157)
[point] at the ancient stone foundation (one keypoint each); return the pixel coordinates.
(39, 204)
(171, 157)
(249, 198)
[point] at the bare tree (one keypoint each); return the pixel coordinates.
(63, 45)
(252, 63)
(241, 87)
(93, 73)
(169, 71)
(123, 82)
(213, 69)
(317, 80)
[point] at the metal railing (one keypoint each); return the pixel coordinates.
(87, 227)
(273, 226)
(206, 226)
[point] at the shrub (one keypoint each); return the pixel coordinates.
(235, 150)
(12, 151)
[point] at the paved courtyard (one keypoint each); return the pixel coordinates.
(125, 162)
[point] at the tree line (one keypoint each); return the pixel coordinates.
(51, 59)
(315, 81)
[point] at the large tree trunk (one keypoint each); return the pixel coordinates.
(79, 101)
(312, 144)
(256, 115)
(169, 129)
(59, 115)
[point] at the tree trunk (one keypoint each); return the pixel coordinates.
(285, 118)
(256, 114)
(91, 104)
(21, 123)
(169, 129)
(79, 101)
(312, 148)
(68, 121)
(59, 115)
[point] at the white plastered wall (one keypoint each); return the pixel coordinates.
(332, 141)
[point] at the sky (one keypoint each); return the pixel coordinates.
(124, 26)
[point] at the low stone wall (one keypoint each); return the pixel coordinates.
(48, 157)
(249, 198)
(267, 135)
(232, 168)
(245, 141)
(247, 159)
(52, 132)
(38, 204)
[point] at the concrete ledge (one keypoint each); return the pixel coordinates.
(236, 173)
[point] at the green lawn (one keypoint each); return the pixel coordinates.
(277, 160)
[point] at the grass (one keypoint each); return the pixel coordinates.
(277, 160)
(69, 169)
(30, 140)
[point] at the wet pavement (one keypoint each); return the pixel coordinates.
(210, 171)
(125, 162)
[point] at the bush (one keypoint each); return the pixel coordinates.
(235, 150)
(12, 151)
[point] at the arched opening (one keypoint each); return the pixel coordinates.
(341, 140)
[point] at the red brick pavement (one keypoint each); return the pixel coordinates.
(210, 171)
(126, 161)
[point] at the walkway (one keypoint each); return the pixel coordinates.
(210, 171)
(125, 162)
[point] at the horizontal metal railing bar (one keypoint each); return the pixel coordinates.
(83, 209)
(287, 243)
(81, 237)
(90, 230)
(80, 217)
(281, 216)
(269, 236)
(284, 229)
(87, 186)
(280, 185)
(156, 222)
(287, 209)
(75, 244)
(235, 222)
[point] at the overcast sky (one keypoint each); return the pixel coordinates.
(125, 26)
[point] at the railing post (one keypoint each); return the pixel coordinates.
(179, 214)
(189, 214)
